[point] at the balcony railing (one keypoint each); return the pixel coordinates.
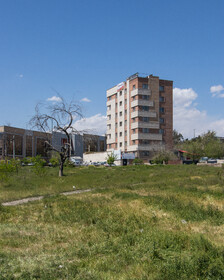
(146, 136)
(149, 114)
(140, 91)
(142, 102)
(145, 125)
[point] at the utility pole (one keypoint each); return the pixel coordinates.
(13, 146)
(194, 132)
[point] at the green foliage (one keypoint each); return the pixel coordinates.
(7, 167)
(205, 145)
(38, 165)
(163, 156)
(111, 158)
(177, 137)
(137, 161)
(54, 161)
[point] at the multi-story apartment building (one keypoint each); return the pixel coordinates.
(140, 116)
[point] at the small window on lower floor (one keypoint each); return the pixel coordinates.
(120, 144)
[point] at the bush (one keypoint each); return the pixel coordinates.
(54, 161)
(38, 165)
(6, 168)
(163, 156)
(137, 161)
(111, 158)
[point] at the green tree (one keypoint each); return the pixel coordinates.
(111, 158)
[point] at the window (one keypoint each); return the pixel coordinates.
(145, 97)
(120, 103)
(109, 107)
(161, 120)
(133, 120)
(133, 98)
(109, 126)
(125, 122)
(133, 109)
(144, 108)
(115, 115)
(145, 86)
(115, 125)
(109, 146)
(161, 99)
(145, 130)
(145, 142)
(145, 119)
(120, 144)
(125, 133)
(125, 102)
(125, 112)
(120, 93)
(125, 91)
(120, 123)
(133, 142)
(125, 143)
(133, 87)
(109, 136)
(115, 135)
(116, 105)
(161, 131)
(109, 117)
(145, 153)
(133, 131)
(109, 97)
(120, 134)
(0, 151)
(161, 88)
(162, 110)
(115, 145)
(120, 114)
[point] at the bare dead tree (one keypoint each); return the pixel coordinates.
(58, 117)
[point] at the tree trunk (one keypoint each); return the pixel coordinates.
(61, 166)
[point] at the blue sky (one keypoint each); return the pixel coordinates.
(82, 48)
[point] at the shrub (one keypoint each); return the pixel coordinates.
(138, 161)
(54, 161)
(111, 158)
(38, 165)
(163, 156)
(6, 168)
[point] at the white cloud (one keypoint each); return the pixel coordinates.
(19, 76)
(188, 117)
(184, 97)
(85, 99)
(96, 124)
(217, 91)
(54, 99)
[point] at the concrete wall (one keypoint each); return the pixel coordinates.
(95, 157)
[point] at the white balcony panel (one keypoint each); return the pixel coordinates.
(150, 147)
(142, 102)
(140, 91)
(146, 136)
(145, 125)
(143, 114)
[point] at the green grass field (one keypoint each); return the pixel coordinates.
(139, 222)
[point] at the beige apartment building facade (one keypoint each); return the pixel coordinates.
(140, 116)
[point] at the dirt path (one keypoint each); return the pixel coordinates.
(29, 199)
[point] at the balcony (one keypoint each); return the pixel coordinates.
(142, 102)
(143, 114)
(146, 136)
(145, 125)
(140, 91)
